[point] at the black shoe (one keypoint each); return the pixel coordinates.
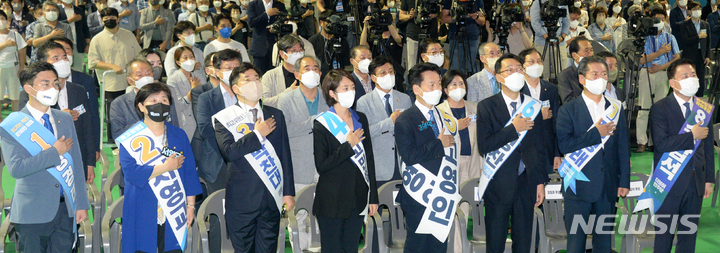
(640, 148)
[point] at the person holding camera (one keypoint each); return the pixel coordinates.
(260, 15)
(473, 20)
(542, 36)
(328, 57)
(388, 43)
(518, 39)
(575, 28)
(413, 32)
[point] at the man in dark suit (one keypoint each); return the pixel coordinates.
(253, 227)
(608, 170)
(696, 179)
(518, 186)
(75, 17)
(72, 99)
(611, 90)
(568, 85)
(547, 93)
(360, 58)
(695, 42)
(259, 18)
(678, 15)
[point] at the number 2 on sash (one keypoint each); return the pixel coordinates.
(243, 129)
(148, 153)
(34, 137)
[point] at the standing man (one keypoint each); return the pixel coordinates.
(612, 91)
(695, 41)
(679, 123)
(482, 84)
(413, 31)
(568, 85)
(360, 58)
(542, 37)
(678, 15)
(473, 22)
(262, 13)
(51, 27)
(157, 24)
(48, 167)
(223, 26)
(128, 17)
(75, 17)
(602, 155)
(281, 79)
(203, 21)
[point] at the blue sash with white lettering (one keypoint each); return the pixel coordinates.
(673, 163)
(530, 108)
(34, 137)
(571, 168)
(148, 150)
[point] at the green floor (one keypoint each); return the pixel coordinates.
(708, 235)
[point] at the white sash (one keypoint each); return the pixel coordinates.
(264, 161)
(340, 130)
(147, 150)
(438, 193)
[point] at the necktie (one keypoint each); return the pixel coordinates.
(47, 124)
(513, 104)
(495, 87)
(687, 110)
(254, 112)
(432, 122)
(521, 168)
(388, 110)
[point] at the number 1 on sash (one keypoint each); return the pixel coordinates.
(34, 137)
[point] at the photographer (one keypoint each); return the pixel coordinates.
(323, 46)
(413, 30)
(306, 26)
(474, 20)
(518, 38)
(541, 35)
(388, 43)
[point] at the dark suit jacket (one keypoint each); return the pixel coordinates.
(677, 17)
(82, 31)
(258, 21)
(492, 134)
(245, 186)
(667, 118)
(610, 167)
(195, 96)
(689, 40)
(89, 84)
(338, 171)
(416, 146)
(86, 139)
(209, 103)
(714, 20)
(548, 92)
(569, 86)
(359, 90)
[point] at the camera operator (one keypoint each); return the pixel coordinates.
(576, 29)
(389, 43)
(474, 20)
(306, 27)
(541, 35)
(661, 50)
(323, 46)
(412, 31)
(518, 38)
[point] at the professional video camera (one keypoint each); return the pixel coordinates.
(550, 14)
(279, 27)
(423, 10)
(460, 9)
(337, 25)
(502, 18)
(379, 21)
(641, 26)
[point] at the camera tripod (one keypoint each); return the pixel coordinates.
(552, 50)
(633, 54)
(468, 61)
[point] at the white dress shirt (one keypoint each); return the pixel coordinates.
(596, 109)
(268, 6)
(63, 98)
(436, 116)
(682, 102)
(382, 98)
(37, 115)
(534, 92)
(611, 93)
(509, 100)
(228, 97)
(249, 114)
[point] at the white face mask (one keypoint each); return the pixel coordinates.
(189, 39)
(526, 3)
(457, 94)
(3, 24)
(386, 82)
(515, 82)
(682, 3)
(244, 3)
(363, 65)
(191, 7)
(346, 99)
(491, 63)
(659, 26)
(438, 59)
(63, 68)
(391, 4)
(597, 86)
(67, 1)
(143, 81)
(310, 79)
(188, 65)
(601, 20)
(217, 4)
(432, 98)
(574, 24)
(292, 58)
(41, 19)
(617, 9)
(47, 97)
(203, 8)
(162, 2)
(534, 71)
(696, 13)
(226, 76)
(579, 59)
(578, 4)
(70, 58)
(236, 16)
(304, 1)
(251, 91)
(51, 16)
(689, 86)
(637, 2)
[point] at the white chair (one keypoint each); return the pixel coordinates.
(213, 205)
(112, 230)
(477, 212)
(550, 220)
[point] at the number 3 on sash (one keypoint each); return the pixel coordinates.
(148, 152)
(34, 137)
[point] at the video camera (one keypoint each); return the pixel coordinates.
(379, 21)
(503, 16)
(424, 8)
(460, 9)
(551, 13)
(337, 25)
(641, 26)
(279, 27)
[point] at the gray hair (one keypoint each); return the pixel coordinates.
(129, 68)
(297, 63)
(289, 41)
(584, 65)
(50, 3)
(481, 49)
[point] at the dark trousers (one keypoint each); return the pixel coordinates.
(264, 63)
(254, 231)
(498, 218)
(687, 204)
(155, 44)
(582, 210)
(419, 242)
(161, 241)
(340, 235)
(109, 97)
(54, 236)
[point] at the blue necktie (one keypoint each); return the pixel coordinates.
(495, 87)
(522, 165)
(432, 123)
(687, 110)
(47, 124)
(388, 110)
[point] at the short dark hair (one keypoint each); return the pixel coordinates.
(354, 51)
(584, 65)
(289, 41)
(448, 78)
(220, 17)
(331, 82)
(574, 46)
(64, 40)
(108, 12)
(234, 7)
(599, 10)
(28, 74)
(658, 11)
(415, 73)
(42, 52)
(148, 90)
(673, 66)
(612, 4)
(498, 63)
(148, 51)
(424, 44)
(244, 67)
(526, 52)
(2, 13)
(606, 54)
(181, 26)
(178, 53)
(207, 62)
(692, 4)
(225, 55)
(575, 10)
(379, 62)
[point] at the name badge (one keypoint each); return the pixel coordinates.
(167, 152)
(546, 103)
(473, 118)
(80, 109)
(244, 30)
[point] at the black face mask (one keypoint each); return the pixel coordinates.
(110, 23)
(158, 112)
(157, 73)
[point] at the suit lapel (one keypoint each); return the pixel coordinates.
(585, 113)
(300, 103)
(218, 98)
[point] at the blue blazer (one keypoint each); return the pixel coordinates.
(140, 206)
(416, 146)
(244, 186)
(258, 21)
(667, 118)
(492, 134)
(548, 92)
(610, 168)
(92, 94)
(209, 103)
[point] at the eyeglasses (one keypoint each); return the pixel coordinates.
(513, 70)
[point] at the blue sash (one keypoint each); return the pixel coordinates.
(673, 163)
